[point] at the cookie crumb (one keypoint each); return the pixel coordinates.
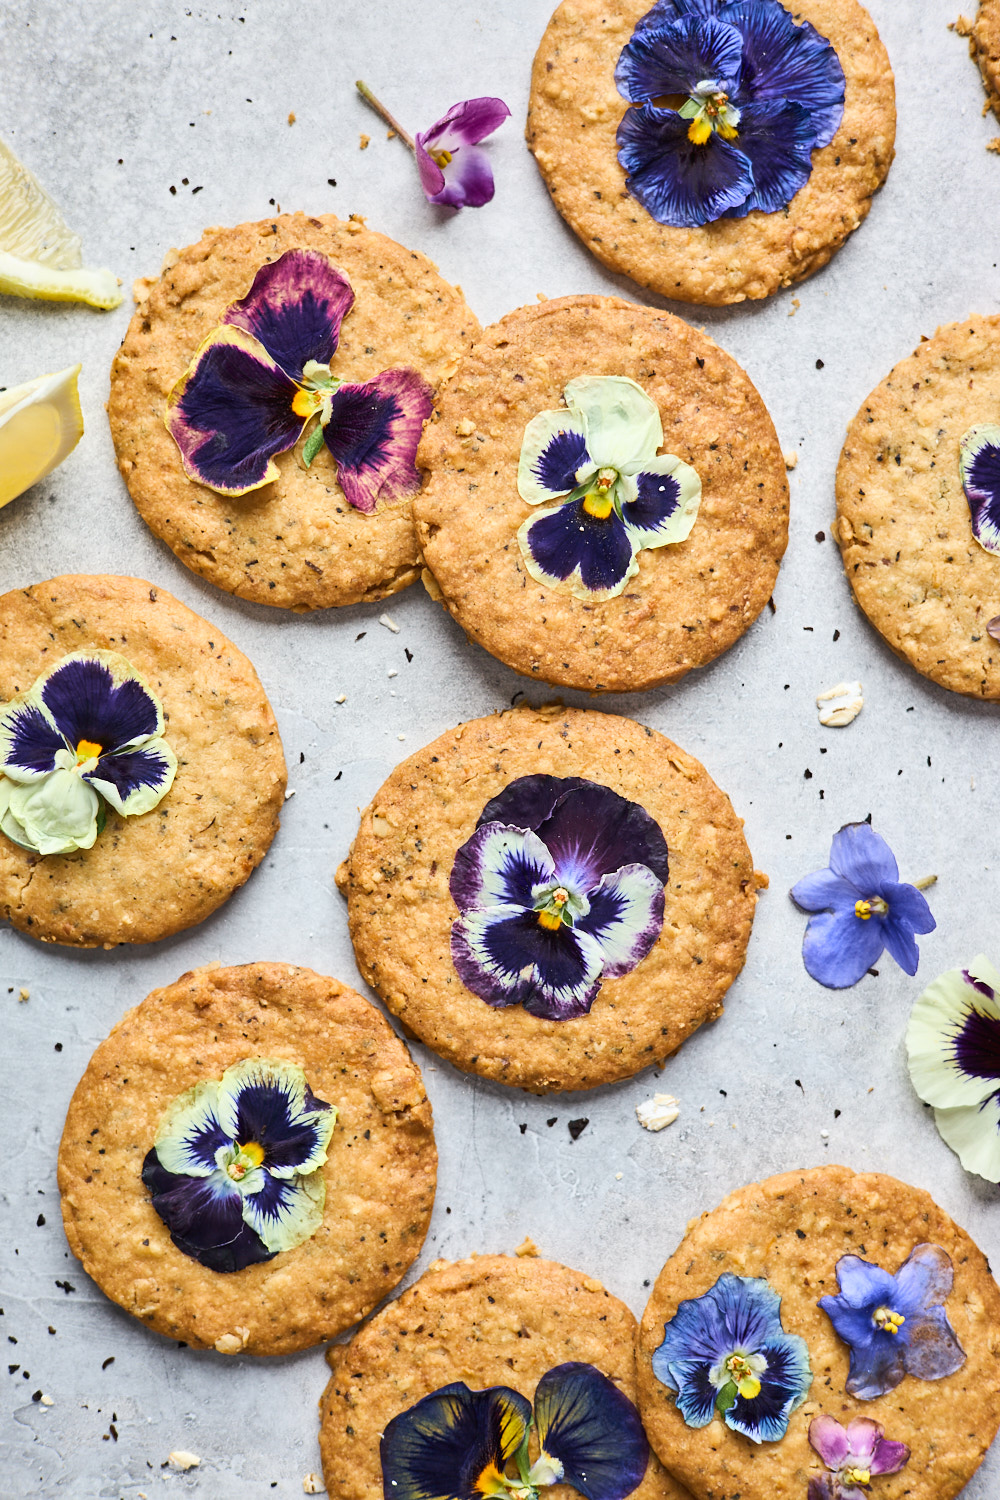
(341, 699)
(291, 117)
(963, 26)
(364, 141)
(289, 793)
(24, 995)
(313, 1485)
(790, 457)
(796, 304)
(541, 297)
(464, 428)
(232, 1343)
(994, 145)
(401, 736)
(181, 1459)
(840, 705)
(389, 623)
(526, 1247)
(46, 1400)
(392, 672)
(659, 1112)
(619, 1176)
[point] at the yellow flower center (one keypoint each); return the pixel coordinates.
(746, 1381)
(248, 1156)
(305, 403)
(874, 905)
(551, 918)
(712, 116)
(887, 1320)
(441, 157)
(87, 750)
(599, 501)
(858, 1476)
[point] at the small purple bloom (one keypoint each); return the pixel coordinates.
(854, 1455)
(863, 906)
(979, 464)
(895, 1325)
(561, 888)
(453, 171)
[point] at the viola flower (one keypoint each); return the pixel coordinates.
(454, 172)
(461, 1443)
(863, 906)
(559, 888)
(260, 378)
(759, 94)
(979, 465)
(726, 1353)
(234, 1173)
(895, 1325)
(597, 458)
(88, 733)
(953, 1046)
(854, 1455)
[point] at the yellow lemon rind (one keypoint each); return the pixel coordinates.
(26, 278)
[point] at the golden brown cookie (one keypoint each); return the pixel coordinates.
(791, 1231)
(572, 123)
(402, 913)
(984, 47)
(379, 1173)
(688, 601)
(296, 542)
(149, 876)
(904, 524)
(490, 1320)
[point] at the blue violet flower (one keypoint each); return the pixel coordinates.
(756, 94)
(234, 1173)
(461, 1443)
(863, 907)
(979, 465)
(895, 1325)
(726, 1353)
(87, 736)
(597, 459)
(854, 1455)
(454, 171)
(559, 888)
(259, 379)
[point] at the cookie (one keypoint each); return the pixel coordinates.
(573, 120)
(297, 542)
(379, 1172)
(903, 521)
(149, 876)
(683, 603)
(791, 1231)
(404, 919)
(490, 1320)
(984, 47)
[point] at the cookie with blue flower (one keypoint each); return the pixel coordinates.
(141, 769)
(267, 402)
(822, 1335)
(712, 150)
(606, 504)
(248, 1162)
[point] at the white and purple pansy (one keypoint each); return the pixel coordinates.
(259, 379)
(615, 494)
(854, 1455)
(979, 464)
(88, 733)
(731, 98)
(559, 888)
(454, 170)
(234, 1173)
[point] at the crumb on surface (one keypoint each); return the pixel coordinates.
(312, 1484)
(364, 141)
(790, 457)
(182, 1460)
(526, 1247)
(389, 623)
(291, 117)
(24, 995)
(659, 1112)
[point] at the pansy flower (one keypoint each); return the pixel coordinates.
(863, 907)
(725, 1353)
(88, 733)
(454, 171)
(979, 465)
(559, 888)
(597, 459)
(855, 1455)
(953, 1045)
(755, 94)
(462, 1443)
(895, 1325)
(234, 1173)
(259, 379)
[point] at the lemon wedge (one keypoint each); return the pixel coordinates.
(40, 256)
(40, 425)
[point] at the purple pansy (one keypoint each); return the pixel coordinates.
(264, 374)
(458, 1442)
(453, 170)
(854, 1454)
(761, 93)
(863, 907)
(559, 888)
(979, 465)
(895, 1325)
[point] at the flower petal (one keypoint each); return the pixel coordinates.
(286, 1211)
(592, 832)
(673, 57)
(57, 815)
(783, 60)
(454, 1443)
(825, 891)
(135, 781)
(190, 1133)
(528, 801)
(979, 463)
(932, 1347)
(431, 175)
(863, 857)
(567, 549)
(29, 741)
(592, 1429)
(666, 508)
(498, 866)
(924, 1279)
(295, 308)
(676, 181)
(465, 124)
(373, 433)
(953, 1039)
(267, 1100)
(764, 1417)
(622, 423)
(506, 957)
(900, 943)
(839, 948)
(468, 180)
(99, 697)
(829, 1439)
(777, 138)
(205, 1217)
(695, 1394)
(625, 917)
(973, 1133)
(553, 452)
(888, 1457)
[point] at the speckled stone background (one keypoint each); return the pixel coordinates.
(147, 121)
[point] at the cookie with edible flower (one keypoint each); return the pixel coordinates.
(248, 1162)
(713, 150)
(267, 402)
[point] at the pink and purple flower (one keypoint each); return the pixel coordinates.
(454, 170)
(855, 1455)
(979, 465)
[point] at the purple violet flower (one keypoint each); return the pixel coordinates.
(979, 465)
(453, 170)
(854, 1455)
(863, 907)
(895, 1325)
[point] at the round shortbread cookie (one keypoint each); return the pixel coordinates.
(791, 1230)
(401, 912)
(689, 601)
(490, 1320)
(984, 46)
(295, 543)
(904, 525)
(573, 118)
(150, 876)
(379, 1174)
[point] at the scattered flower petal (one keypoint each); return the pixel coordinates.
(854, 1455)
(979, 464)
(453, 170)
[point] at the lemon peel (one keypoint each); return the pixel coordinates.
(40, 425)
(40, 256)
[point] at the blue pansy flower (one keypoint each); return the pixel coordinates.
(895, 1325)
(559, 888)
(462, 1443)
(863, 906)
(757, 93)
(979, 465)
(726, 1352)
(234, 1173)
